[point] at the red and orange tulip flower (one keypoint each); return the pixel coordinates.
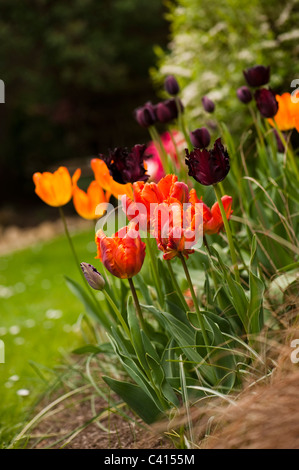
(86, 202)
(123, 253)
(168, 190)
(55, 189)
(212, 219)
(287, 116)
(176, 230)
(105, 180)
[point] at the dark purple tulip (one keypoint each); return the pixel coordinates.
(126, 166)
(171, 85)
(209, 105)
(266, 102)
(244, 94)
(92, 276)
(200, 138)
(167, 110)
(145, 115)
(208, 166)
(257, 76)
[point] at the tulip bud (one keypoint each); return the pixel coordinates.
(209, 105)
(171, 85)
(266, 102)
(200, 138)
(92, 276)
(257, 76)
(145, 115)
(167, 110)
(244, 94)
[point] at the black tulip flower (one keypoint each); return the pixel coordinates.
(171, 85)
(200, 138)
(244, 94)
(166, 111)
(92, 276)
(126, 166)
(145, 115)
(208, 166)
(266, 102)
(257, 76)
(208, 104)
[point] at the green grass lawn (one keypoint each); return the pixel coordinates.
(38, 319)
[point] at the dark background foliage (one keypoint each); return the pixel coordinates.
(74, 72)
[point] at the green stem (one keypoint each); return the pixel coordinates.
(117, 312)
(182, 125)
(137, 305)
(176, 286)
(155, 136)
(290, 153)
(258, 130)
(76, 258)
(228, 233)
(181, 162)
(195, 302)
(71, 243)
(154, 269)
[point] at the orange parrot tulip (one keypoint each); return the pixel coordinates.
(176, 230)
(168, 190)
(55, 189)
(86, 202)
(287, 116)
(212, 219)
(105, 180)
(123, 253)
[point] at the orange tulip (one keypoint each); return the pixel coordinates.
(168, 190)
(176, 229)
(86, 202)
(123, 253)
(287, 116)
(212, 219)
(55, 189)
(105, 180)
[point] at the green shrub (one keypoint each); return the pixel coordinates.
(213, 42)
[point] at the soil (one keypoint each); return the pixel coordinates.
(58, 429)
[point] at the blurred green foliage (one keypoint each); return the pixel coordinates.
(74, 71)
(213, 42)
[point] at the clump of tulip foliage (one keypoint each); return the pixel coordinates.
(208, 223)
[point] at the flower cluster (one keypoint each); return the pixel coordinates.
(256, 77)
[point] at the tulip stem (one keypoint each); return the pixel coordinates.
(228, 233)
(71, 243)
(162, 152)
(137, 305)
(182, 125)
(288, 150)
(195, 302)
(154, 269)
(117, 312)
(176, 286)
(94, 299)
